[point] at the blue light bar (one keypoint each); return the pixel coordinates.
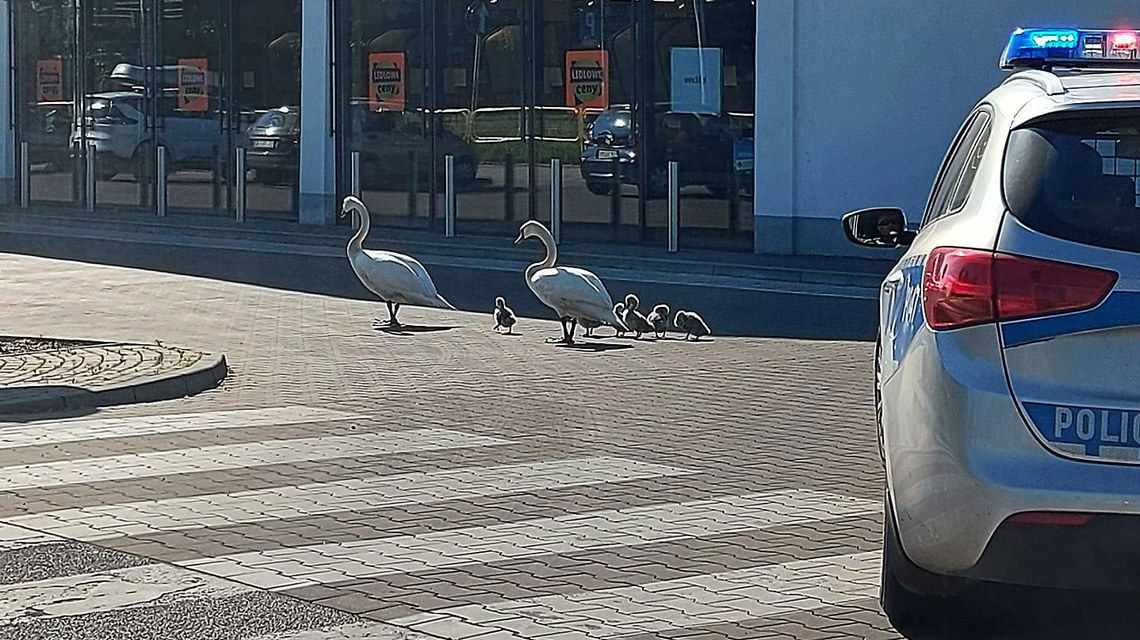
(1046, 48)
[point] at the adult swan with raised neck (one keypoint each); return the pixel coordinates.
(576, 295)
(395, 278)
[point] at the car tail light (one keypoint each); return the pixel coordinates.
(1052, 518)
(966, 287)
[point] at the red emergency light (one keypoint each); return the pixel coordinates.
(1124, 41)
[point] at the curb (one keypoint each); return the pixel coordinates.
(205, 375)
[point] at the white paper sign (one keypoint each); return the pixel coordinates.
(696, 80)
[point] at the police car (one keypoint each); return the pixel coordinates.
(1008, 355)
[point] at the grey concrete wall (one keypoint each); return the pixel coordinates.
(857, 101)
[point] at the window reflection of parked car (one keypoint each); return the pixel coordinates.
(388, 142)
(701, 144)
(116, 125)
(273, 144)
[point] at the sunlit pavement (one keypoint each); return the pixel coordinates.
(347, 482)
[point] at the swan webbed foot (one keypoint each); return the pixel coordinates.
(393, 309)
(567, 332)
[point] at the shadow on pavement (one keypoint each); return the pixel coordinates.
(410, 329)
(1040, 614)
(729, 312)
(44, 403)
(594, 347)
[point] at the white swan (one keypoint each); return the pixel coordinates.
(394, 277)
(576, 295)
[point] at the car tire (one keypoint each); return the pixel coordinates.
(599, 188)
(272, 177)
(658, 183)
(718, 191)
(142, 167)
(911, 597)
(879, 402)
(104, 173)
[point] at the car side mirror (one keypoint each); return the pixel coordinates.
(881, 228)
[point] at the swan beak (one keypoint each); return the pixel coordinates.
(519, 239)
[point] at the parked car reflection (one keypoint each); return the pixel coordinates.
(273, 146)
(394, 149)
(701, 144)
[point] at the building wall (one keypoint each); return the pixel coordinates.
(857, 101)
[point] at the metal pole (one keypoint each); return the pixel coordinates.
(615, 197)
(356, 186)
(414, 184)
(160, 197)
(674, 203)
(239, 191)
(25, 175)
(509, 188)
(556, 199)
(449, 196)
(90, 178)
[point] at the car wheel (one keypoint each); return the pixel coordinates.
(879, 402)
(103, 172)
(271, 177)
(600, 188)
(658, 182)
(142, 163)
(718, 191)
(912, 597)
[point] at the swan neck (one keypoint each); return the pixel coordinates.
(551, 254)
(355, 244)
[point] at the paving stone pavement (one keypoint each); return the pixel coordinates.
(438, 482)
(83, 376)
(94, 365)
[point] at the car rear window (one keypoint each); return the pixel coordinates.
(615, 122)
(1075, 177)
(278, 119)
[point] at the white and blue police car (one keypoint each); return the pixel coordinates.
(1008, 355)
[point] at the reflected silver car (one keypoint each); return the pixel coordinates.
(1007, 368)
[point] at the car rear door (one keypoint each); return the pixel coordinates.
(1067, 282)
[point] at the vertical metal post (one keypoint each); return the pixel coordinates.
(216, 178)
(509, 188)
(615, 196)
(733, 201)
(449, 196)
(89, 177)
(160, 170)
(357, 188)
(414, 184)
(556, 199)
(25, 175)
(239, 191)
(674, 204)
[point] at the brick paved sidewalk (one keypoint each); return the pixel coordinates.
(93, 375)
(445, 480)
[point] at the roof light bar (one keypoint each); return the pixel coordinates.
(1046, 48)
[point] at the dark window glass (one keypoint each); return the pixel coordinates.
(1076, 178)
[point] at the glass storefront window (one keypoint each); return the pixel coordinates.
(118, 80)
(503, 87)
(45, 82)
(384, 107)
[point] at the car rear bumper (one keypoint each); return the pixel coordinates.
(274, 161)
(962, 461)
(603, 170)
(1099, 555)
